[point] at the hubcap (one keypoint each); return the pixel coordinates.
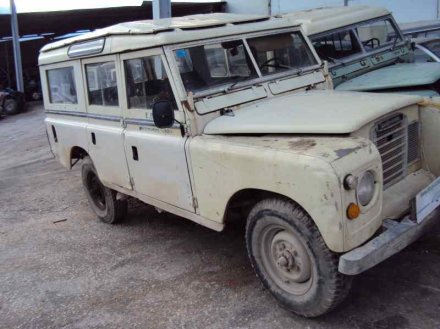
(291, 257)
(286, 259)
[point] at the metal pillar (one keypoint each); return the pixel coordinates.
(16, 46)
(161, 9)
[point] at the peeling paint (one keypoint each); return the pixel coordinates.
(302, 144)
(344, 152)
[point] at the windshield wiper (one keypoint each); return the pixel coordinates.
(239, 79)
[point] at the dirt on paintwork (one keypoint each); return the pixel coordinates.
(62, 268)
(302, 144)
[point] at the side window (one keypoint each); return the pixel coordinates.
(337, 45)
(147, 82)
(102, 85)
(62, 89)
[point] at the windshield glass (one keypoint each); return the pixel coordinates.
(337, 45)
(280, 53)
(212, 65)
(227, 63)
(378, 34)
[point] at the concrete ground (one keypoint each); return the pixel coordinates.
(62, 268)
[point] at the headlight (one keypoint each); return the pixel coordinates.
(366, 188)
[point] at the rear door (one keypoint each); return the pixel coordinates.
(156, 157)
(105, 130)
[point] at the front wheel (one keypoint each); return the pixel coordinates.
(291, 259)
(103, 200)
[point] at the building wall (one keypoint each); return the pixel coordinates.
(403, 10)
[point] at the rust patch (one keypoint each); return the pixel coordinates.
(302, 144)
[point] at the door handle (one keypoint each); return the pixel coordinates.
(93, 139)
(54, 133)
(135, 153)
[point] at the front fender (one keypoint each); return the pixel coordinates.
(298, 168)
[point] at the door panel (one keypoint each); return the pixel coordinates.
(160, 170)
(108, 153)
(103, 90)
(156, 157)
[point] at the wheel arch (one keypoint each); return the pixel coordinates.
(245, 199)
(241, 203)
(77, 153)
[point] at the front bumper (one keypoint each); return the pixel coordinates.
(397, 236)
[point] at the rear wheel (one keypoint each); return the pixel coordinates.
(10, 106)
(291, 259)
(103, 200)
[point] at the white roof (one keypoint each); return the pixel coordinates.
(145, 27)
(328, 18)
(154, 33)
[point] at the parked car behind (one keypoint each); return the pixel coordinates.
(11, 101)
(423, 29)
(366, 50)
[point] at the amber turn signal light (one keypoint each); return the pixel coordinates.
(353, 211)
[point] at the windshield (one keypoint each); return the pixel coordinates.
(378, 34)
(337, 45)
(227, 63)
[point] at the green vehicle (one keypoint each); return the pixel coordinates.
(366, 51)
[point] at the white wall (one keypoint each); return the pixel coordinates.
(403, 10)
(260, 7)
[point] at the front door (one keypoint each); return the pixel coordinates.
(156, 157)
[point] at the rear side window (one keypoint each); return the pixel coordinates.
(102, 84)
(62, 89)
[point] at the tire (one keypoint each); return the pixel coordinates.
(103, 200)
(10, 106)
(292, 260)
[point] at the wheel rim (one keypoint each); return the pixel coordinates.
(96, 190)
(10, 106)
(286, 259)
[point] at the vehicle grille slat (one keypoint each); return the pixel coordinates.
(390, 138)
(386, 135)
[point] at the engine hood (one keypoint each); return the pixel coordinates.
(313, 112)
(395, 76)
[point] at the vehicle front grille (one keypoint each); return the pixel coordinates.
(391, 136)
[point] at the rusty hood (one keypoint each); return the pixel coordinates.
(313, 112)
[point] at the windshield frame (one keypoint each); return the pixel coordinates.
(364, 53)
(224, 88)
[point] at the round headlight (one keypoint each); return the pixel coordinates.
(366, 188)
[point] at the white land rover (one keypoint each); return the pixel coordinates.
(216, 117)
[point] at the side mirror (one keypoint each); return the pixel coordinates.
(163, 114)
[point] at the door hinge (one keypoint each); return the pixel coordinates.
(195, 203)
(123, 123)
(132, 182)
